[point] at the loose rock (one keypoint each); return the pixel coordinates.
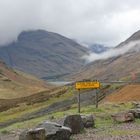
(54, 131)
(135, 104)
(123, 117)
(135, 112)
(74, 122)
(88, 120)
(33, 134)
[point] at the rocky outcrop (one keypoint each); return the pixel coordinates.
(135, 104)
(47, 131)
(33, 134)
(74, 122)
(135, 112)
(62, 130)
(123, 117)
(54, 131)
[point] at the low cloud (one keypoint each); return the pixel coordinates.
(113, 52)
(105, 22)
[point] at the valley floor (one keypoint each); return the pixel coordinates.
(55, 107)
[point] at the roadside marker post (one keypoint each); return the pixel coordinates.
(79, 102)
(96, 98)
(87, 85)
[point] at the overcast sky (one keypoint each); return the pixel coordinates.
(88, 21)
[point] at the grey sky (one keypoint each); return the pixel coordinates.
(88, 21)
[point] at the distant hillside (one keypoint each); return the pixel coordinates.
(115, 67)
(44, 54)
(98, 48)
(15, 84)
(127, 93)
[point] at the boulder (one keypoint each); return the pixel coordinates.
(138, 106)
(88, 120)
(123, 117)
(135, 112)
(74, 122)
(54, 131)
(135, 104)
(33, 134)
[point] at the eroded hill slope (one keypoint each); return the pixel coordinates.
(14, 84)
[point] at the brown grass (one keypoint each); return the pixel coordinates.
(128, 93)
(16, 84)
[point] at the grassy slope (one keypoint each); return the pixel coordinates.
(102, 114)
(25, 108)
(15, 84)
(109, 69)
(44, 53)
(127, 93)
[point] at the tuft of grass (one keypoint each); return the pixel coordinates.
(83, 131)
(137, 121)
(5, 131)
(101, 122)
(116, 86)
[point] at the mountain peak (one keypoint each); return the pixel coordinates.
(133, 40)
(44, 54)
(135, 36)
(33, 35)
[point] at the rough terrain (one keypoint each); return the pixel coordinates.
(16, 84)
(115, 67)
(128, 131)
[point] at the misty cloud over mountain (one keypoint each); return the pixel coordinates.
(120, 50)
(103, 21)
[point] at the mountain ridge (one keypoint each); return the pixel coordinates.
(113, 68)
(44, 53)
(14, 84)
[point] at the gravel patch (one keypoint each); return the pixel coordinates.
(128, 131)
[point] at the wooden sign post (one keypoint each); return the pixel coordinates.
(79, 101)
(96, 98)
(87, 85)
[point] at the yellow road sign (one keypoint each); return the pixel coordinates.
(87, 84)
